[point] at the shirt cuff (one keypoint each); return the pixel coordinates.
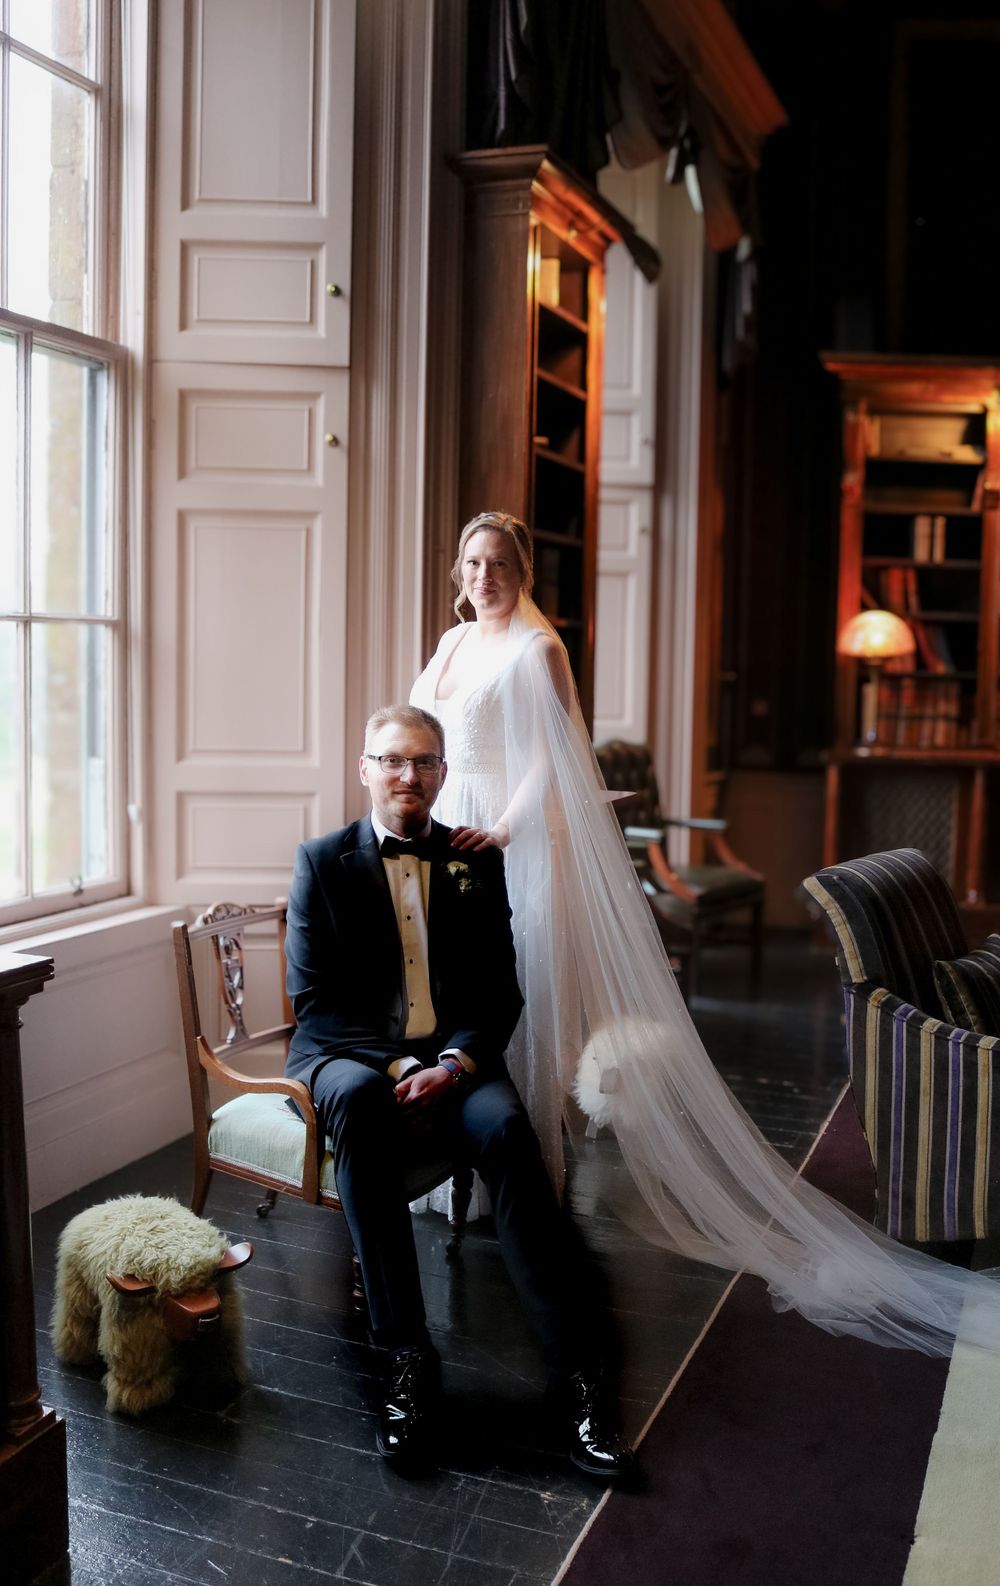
(456, 1051)
(401, 1066)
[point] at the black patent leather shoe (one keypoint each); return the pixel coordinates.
(596, 1446)
(406, 1409)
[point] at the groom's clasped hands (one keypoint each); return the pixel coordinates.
(418, 1094)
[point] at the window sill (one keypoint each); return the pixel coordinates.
(92, 933)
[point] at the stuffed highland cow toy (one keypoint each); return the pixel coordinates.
(135, 1278)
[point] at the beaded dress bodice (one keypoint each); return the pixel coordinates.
(475, 792)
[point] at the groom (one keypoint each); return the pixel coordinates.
(401, 975)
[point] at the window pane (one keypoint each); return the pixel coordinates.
(49, 269)
(69, 560)
(60, 28)
(12, 883)
(11, 592)
(70, 754)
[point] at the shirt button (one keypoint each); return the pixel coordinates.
(408, 916)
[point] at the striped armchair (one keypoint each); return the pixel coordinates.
(928, 1092)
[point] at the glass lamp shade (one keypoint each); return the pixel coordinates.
(875, 636)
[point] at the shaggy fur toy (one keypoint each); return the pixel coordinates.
(162, 1242)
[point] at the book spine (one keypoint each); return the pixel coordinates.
(923, 530)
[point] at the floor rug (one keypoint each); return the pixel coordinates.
(780, 1455)
(958, 1526)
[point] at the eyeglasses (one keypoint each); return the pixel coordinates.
(395, 764)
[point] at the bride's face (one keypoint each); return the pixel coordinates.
(490, 574)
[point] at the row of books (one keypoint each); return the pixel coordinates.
(915, 713)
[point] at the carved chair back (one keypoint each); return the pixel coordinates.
(225, 924)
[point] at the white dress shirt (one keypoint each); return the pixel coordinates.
(409, 887)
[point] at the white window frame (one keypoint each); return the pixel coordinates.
(104, 231)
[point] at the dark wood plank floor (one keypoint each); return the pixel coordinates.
(281, 1485)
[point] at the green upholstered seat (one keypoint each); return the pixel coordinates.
(260, 1134)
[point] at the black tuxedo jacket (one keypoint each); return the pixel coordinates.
(345, 972)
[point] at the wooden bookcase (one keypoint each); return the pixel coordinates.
(532, 370)
(920, 535)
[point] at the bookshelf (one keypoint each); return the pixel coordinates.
(920, 536)
(532, 369)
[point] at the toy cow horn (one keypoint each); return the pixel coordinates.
(236, 1256)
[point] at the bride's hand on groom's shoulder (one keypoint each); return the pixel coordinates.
(475, 838)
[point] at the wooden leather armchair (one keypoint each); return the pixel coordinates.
(257, 1136)
(694, 905)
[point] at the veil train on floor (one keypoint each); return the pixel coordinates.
(603, 1003)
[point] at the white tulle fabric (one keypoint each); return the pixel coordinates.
(602, 1006)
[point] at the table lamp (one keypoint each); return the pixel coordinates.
(874, 637)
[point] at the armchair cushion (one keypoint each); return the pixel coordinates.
(969, 988)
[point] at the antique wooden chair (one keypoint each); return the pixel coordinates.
(257, 1136)
(694, 904)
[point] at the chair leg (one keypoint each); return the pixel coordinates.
(692, 965)
(461, 1195)
(756, 944)
(199, 1188)
(268, 1203)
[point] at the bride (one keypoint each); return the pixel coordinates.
(603, 1017)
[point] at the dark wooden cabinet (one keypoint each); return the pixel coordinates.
(532, 369)
(920, 535)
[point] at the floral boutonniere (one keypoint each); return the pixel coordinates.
(459, 872)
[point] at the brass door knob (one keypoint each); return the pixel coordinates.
(332, 440)
(332, 289)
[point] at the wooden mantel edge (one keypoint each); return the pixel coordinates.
(22, 974)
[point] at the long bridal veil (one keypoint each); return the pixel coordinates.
(599, 992)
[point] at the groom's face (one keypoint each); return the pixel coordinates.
(402, 800)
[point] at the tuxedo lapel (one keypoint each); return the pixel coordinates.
(441, 896)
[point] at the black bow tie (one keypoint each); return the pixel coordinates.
(419, 847)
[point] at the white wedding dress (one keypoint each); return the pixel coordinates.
(476, 793)
(603, 1018)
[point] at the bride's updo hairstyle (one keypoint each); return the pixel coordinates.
(520, 543)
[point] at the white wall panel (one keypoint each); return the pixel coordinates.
(226, 435)
(622, 638)
(249, 623)
(264, 149)
(104, 1074)
(254, 180)
(247, 288)
(245, 575)
(228, 833)
(628, 422)
(628, 465)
